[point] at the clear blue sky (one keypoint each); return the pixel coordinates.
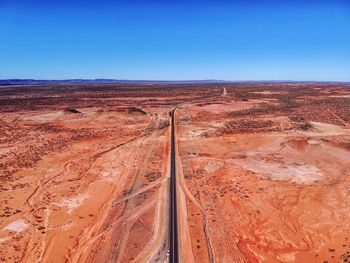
(175, 40)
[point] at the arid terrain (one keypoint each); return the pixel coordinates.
(263, 172)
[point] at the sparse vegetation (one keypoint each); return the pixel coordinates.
(288, 101)
(305, 126)
(163, 124)
(246, 125)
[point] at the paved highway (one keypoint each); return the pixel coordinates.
(173, 249)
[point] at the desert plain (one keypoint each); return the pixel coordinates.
(263, 172)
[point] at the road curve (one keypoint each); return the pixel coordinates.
(173, 237)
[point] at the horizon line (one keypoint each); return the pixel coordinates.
(111, 80)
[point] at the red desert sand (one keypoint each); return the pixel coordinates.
(263, 172)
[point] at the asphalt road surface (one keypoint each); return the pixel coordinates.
(173, 250)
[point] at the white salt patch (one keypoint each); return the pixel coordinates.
(325, 129)
(217, 124)
(4, 239)
(17, 226)
(267, 92)
(340, 96)
(313, 142)
(46, 116)
(281, 171)
(104, 174)
(73, 202)
(110, 174)
(213, 166)
(287, 257)
(196, 132)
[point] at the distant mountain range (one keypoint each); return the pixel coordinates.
(116, 81)
(95, 81)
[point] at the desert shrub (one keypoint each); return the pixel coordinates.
(244, 124)
(163, 124)
(263, 109)
(305, 126)
(287, 101)
(296, 118)
(184, 120)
